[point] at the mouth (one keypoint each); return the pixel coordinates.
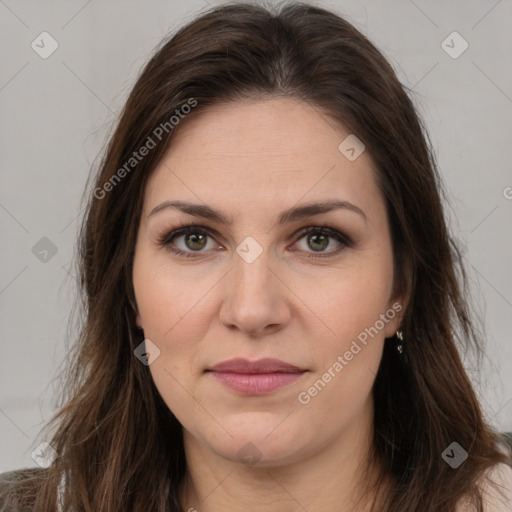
(257, 377)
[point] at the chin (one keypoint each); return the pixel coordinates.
(261, 439)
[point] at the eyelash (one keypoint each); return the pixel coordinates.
(165, 239)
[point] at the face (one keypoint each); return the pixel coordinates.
(265, 278)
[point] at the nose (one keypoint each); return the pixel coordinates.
(256, 299)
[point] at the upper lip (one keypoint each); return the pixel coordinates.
(266, 365)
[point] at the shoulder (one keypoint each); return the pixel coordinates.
(497, 489)
(7, 483)
(496, 483)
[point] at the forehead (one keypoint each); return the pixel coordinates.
(256, 155)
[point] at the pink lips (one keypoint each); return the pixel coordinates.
(256, 377)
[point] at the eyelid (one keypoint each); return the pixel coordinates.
(318, 228)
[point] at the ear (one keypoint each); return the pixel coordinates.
(394, 313)
(133, 304)
(397, 306)
(138, 321)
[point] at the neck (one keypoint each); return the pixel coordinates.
(214, 484)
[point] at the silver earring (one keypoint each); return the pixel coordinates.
(400, 342)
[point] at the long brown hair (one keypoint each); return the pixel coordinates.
(118, 444)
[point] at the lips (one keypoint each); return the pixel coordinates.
(260, 366)
(256, 377)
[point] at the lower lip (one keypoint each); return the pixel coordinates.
(256, 383)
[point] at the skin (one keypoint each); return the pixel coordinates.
(252, 160)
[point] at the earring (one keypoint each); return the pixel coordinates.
(401, 348)
(400, 342)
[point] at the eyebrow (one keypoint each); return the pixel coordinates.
(290, 215)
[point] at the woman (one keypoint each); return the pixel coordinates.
(273, 300)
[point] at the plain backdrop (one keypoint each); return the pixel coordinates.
(57, 112)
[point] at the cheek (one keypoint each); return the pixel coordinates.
(170, 312)
(348, 353)
(173, 321)
(167, 296)
(349, 302)
(175, 312)
(349, 346)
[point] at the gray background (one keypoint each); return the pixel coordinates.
(56, 114)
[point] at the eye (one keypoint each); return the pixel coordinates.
(195, 238)
(319, 238)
